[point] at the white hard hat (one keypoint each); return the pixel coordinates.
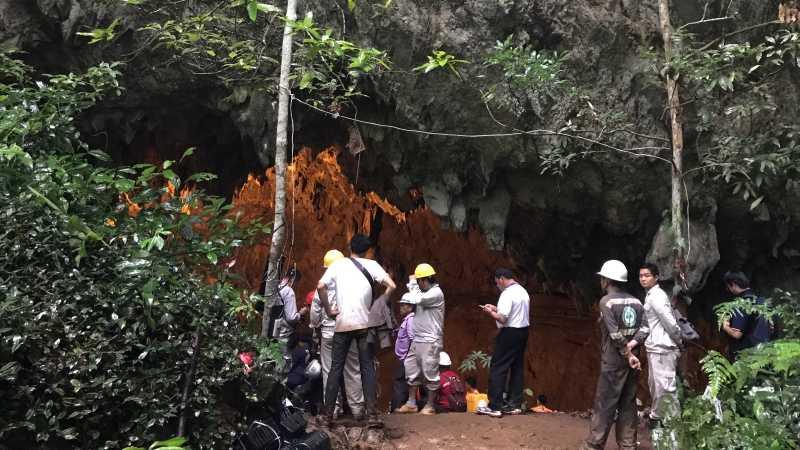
(444, 359)
(408, 299)
(614, 270)
(313, 369)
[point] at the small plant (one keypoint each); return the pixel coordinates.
(440, 59)
(175, 443)
(471, 361)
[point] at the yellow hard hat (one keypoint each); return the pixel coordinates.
(331, 257)
(424, 270)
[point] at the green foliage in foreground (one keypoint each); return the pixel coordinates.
(753, 403)
(109, 314)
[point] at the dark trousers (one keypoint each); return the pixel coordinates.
(508, 366)
(341, 344)
(616, 396)
(399, 387)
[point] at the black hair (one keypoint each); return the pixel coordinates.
(431, 279)
(294, 275)
(502, 272)
(651, 267)
(737, 278)
(360, 244)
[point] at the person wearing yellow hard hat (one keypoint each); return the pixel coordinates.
(355, 282)
(622, 319)
(324, 326)
(422, 362)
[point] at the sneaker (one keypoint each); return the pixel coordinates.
(428, 410)
(407, 409)
(486, 411)
(512, 411)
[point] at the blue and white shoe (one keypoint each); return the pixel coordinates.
(486, 411)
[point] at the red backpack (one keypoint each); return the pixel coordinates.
(452, 392)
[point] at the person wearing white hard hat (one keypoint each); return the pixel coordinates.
(622, 319)
(422, 361)
(452, 389)
(402, 344)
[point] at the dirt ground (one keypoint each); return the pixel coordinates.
(471, 431)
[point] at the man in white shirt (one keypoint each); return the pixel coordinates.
(663, 346)
(355, 280)
(512, 316)
(326, 325)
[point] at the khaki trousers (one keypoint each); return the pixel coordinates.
(422, 365)
(663, 383)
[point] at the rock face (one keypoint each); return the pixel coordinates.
(558, 229)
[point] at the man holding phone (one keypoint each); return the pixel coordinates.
(512, 316)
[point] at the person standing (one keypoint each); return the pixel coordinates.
(402, 344)
(663, 345)
(318, 319)
(512, 317)
(745, 330)
(284, 316)
(354, 280)
(422, 361)
(621, 319)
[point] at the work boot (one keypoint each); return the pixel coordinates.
(407, 409)
(428, 410)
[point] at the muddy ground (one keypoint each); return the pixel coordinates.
(470, 431)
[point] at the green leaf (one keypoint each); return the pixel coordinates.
(174, 442)
(252, 9)
(756, 202)
(170, 175)
(101, 155)
(263, 7)
(351, 5)
(188, 152)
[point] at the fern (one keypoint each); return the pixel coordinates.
(719, 370)
(742, 305)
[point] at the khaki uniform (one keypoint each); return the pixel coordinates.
(622, 319)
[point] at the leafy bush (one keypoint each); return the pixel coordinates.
(113, 292)
(752, 403)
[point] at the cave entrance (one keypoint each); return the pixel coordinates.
(324, 210)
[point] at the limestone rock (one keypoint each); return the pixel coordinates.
(437, 198)
(493, 217)
(702, 254)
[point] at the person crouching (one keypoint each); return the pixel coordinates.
(452, 389)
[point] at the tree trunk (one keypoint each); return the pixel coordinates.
(187, 385)
(676, 122)
(279, 228)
